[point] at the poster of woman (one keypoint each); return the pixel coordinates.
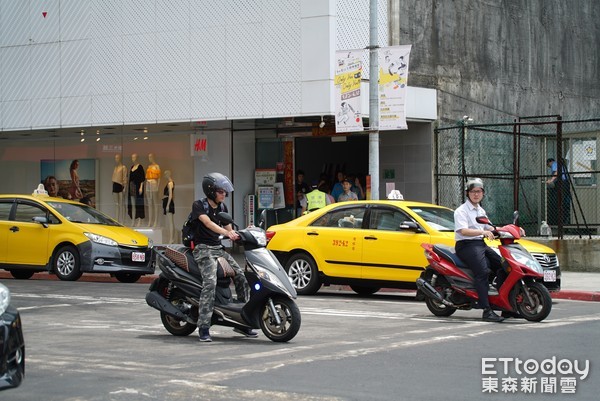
(76, 178)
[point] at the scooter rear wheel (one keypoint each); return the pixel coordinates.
(438, 308)
(289, 315)
(175, 326)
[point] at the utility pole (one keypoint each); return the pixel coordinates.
(373, 102)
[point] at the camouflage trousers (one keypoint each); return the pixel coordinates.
(206, 258)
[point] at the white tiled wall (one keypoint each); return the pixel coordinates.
(92, 62)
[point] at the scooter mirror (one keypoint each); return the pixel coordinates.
(483, 220)
(225, 218)
(515, 216)
(262, 221)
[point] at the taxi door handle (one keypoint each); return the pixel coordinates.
(371, 237)
(312, 233)
(14, 229)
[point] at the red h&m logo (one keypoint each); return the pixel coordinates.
(200, 145)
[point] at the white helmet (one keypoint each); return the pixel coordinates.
(474, 183)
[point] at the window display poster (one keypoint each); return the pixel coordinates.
(76, 178)
(264, 177)
(265, 197)
(278, 196)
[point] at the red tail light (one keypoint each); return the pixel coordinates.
(269, 235)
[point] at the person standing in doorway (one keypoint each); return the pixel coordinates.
(558, 182)
(315, 199)
(302, 189)
(347, 195)
(337, 188)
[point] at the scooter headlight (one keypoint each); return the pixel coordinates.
(266, 275)
(527, 260)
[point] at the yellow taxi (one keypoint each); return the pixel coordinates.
(42, 233)
(372, 244)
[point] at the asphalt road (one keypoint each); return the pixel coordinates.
(100, 341)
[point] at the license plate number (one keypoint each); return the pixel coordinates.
(138, 256)
(550, 275)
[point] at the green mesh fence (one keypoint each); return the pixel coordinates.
(512, 159)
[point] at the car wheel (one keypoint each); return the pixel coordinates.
(22, 274)
(128, 277)
(66, 263)
(302, 270)
(364, 290)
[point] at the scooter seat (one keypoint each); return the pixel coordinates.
(448, 253)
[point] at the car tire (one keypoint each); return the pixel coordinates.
(127, 277)
(66, 263)
(302, 270)
(22, 274)
(364, 290)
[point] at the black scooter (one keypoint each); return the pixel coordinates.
(271, 306)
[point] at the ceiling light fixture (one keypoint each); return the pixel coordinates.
(322, 123)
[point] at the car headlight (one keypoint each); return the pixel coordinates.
(527, 260)
(4, 298)
(100, 239)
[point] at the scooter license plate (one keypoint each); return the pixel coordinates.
(138, 256)
(550, 275)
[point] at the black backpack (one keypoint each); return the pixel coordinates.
(190, 225)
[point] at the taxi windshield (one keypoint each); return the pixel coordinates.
(439, 219)
(80, 213)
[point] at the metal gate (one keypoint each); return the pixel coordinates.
(513, 160)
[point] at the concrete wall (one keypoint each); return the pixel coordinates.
(494, 60)
(581, 255)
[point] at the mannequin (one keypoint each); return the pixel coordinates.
(119, 179)
(152, 185)
(135, 204)
(169, 206)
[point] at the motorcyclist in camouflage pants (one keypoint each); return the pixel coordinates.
(208, 249)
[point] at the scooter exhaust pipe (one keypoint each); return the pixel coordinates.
(157, 301)
(431, 292)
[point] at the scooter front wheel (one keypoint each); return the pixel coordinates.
(289, 319)
(541, 306)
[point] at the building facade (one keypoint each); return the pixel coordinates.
(90, 80)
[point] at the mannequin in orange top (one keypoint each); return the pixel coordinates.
(152, 195)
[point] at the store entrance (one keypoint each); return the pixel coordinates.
(319, 155)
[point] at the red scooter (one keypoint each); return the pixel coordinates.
(447, 284)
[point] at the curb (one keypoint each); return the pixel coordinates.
(149, 278)
(577, 295)
(86, 277)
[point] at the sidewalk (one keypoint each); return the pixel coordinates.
(575, 285)
(579, 286)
